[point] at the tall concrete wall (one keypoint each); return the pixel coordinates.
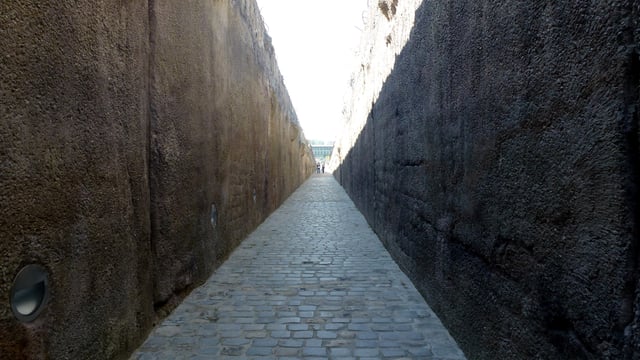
(493, 146)
(224, 137)
(141, 141)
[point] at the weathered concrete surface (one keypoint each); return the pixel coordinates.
(223, 135)
(499, 163)
(73, 174)
(121, 124)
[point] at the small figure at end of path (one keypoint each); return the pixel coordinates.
(317, 168)
(323, 168)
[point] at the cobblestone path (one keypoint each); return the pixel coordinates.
(312, 282)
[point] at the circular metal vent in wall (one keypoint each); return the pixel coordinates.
(30, 292)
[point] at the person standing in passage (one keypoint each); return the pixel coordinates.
(323, 168)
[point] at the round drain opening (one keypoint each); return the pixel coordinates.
(30, 292)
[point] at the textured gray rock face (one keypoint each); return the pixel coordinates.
(498, 161)
(223, 135)
(141, 141)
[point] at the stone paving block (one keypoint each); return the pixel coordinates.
(368, 335)
(420, 351)
(313, 351)
(230, 334)
(327, 334)
(342, 343)
(255, 334)
(314, 282)
(341, 320)
(291, 343)
(393, 352)
(259, 351)
(225, 328)
(283, 351)
(244, 320)
(360, 320)
(232, 351)
(313, 343)
(298, 327)
(267, 342)
(277, 327)
(289, 320)
(360, 327)
(303, 334)
(366, 343)
(366, 352)
(253, 327)
(340, 352)
(281, 334)
(332, 327)
(287, 314)
(235, 341)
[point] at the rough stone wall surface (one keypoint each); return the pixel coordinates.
(123, 125)
(496, 155)
(73, 174)
(223, 136)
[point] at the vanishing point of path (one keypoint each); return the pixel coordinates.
(312, 282)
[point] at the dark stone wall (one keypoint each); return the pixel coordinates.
(123, 124)
(223, 133)
(499, 165)
(73, 174)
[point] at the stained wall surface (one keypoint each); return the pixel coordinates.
(493, 146)
(140, 142)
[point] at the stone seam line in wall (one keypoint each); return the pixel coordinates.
(151, 117)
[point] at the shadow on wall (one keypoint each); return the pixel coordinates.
(499, 166)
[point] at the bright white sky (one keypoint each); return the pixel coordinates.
(315, 44)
